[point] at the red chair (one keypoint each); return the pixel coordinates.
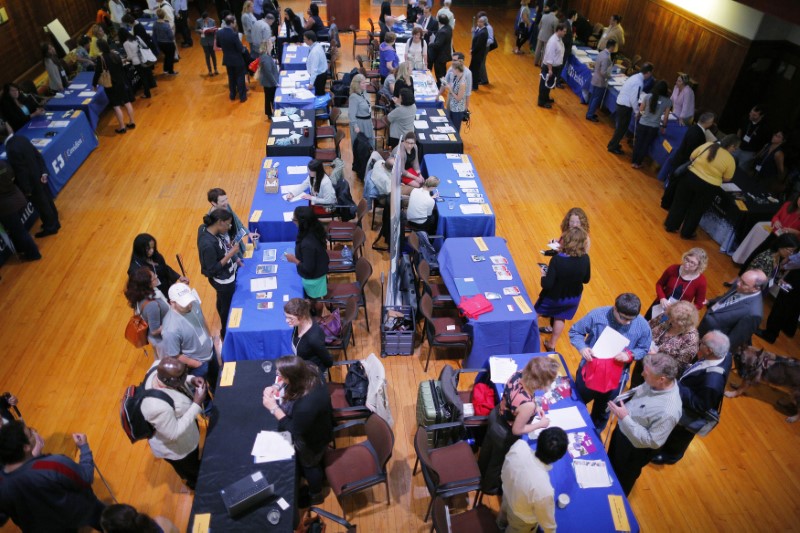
(338, 264)
(442, 332)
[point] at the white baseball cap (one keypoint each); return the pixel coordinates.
(181, 294)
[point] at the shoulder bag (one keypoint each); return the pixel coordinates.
(105, 76)
(137, 328)
(681, 170)
(146, 56)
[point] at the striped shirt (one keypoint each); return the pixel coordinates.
(585, 332)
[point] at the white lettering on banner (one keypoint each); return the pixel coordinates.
(60, 161)
(71, 150)
(27, 213)
(58, 164)
(572, 73)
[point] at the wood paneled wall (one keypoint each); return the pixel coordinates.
(21, 37)
(675, 41)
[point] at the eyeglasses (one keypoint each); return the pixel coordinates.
(624, 317)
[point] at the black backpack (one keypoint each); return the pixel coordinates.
(130, 410)
(356, 385)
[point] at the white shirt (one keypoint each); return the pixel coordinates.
(420, 205)
(527, 491)
(554, 51)
(630, 91)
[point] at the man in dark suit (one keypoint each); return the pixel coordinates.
(31, 178)
(440, 51)
(738, 312)
(429, 26)
(478, 50)
(695, 136)
(232, 50)
(702, 387)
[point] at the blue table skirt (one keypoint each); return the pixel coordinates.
(262, 333)
(426, 79)
(588, 509)
(298, 62)
(97, 103)
(284, 100)
(452, 222)
(28, 217)
(673, 136)
(271, 225)
(65, 151)
(501, 330)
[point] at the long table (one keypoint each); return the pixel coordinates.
(426, 93)
(278, 127)
(71, 139)
(453, 222)
(267, 210)
(289, 83)
(589, 509)
(227, 459)
(506, 329)
(295, 57)
(262, 333)
(81, 95)
(428, 120)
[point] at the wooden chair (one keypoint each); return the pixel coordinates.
(338, 292)
(442, 332)
(348, 317)
(360, 41)
(379, 202)
(340, 265)
(479, 519)
(436, 290)
(329, 130)
(340, 231)
(342, 410)
(327, 155)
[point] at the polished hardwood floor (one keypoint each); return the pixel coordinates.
(63, 317)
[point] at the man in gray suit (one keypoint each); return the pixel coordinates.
(232, 50)
(738, 312)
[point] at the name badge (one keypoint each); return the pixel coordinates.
(758, 168)
(746, 138)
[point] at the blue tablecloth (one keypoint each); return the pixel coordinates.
(147, 23)
(673, 135)
(501, 330)
(63, 152)
(294, 57)
(93, 105)
(579, 79)
(262, 333)
(588, 509)
(271, 224)
(403, 31)
(452, 222)
(426, 94)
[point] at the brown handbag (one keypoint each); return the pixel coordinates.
(137, 328)
(105, 80)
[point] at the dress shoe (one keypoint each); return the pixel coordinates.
(593, 119)
(121, 130)
(546, 106)
(25, 258)
(617, 151)
(762, 334)
(551, 100)
(131, 126)
(46, 232)
(663, 459)
(689, 237)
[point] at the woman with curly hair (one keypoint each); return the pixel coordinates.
(684, 281)
(675, 334)
(147, 301)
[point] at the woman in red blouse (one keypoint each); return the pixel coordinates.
(786, 220)
(681, 282)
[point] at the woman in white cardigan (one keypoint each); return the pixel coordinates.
(318, 183)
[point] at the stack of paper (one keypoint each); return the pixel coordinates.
(591, 474)
(273, 446)
(566, 419)
(501, 369)
(263, 284)
(471, 209)
(467, 184)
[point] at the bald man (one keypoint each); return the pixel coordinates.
(738, 312)
(176, 438)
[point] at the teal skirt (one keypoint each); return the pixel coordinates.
(317, 287)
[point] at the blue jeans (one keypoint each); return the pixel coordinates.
(209, 371)
(456, 118)
(595, 99)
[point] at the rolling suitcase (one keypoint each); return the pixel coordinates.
(432, 409)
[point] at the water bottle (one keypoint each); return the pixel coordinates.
(347, 255)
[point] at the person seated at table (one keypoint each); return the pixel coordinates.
(562, 283)
(403, 80)
(675, 334)
(320, 185)
(654, 109)
(684, 281)
(513, 416)
(146, 300)
(308, 339)
(294, 26)
(401, 118)
(768, 164)
(683, 100)
(754, 134)
(311, 255)
(528, 495)
(421, 212)
(17, 108)
(55, 67)
(359, 110)
(786, 220)
(771, 260)
(304, 411)
(145, 254)
(411, 175)
(388, 56)
(123, 518)
(84, 62)
(314, 22)
(118, 94)
(378, 182)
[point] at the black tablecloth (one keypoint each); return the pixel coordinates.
(227, 458)
(428, 146)
(304, 147)
(754, 196)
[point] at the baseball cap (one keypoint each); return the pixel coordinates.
(181, 294)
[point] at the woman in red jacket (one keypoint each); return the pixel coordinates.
(684, 282)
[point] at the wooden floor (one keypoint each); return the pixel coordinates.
(63, 317)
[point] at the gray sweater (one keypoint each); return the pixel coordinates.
(652, 415)
(401, 120)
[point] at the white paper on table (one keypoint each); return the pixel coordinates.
(293, 199)
(303, 124)
(445, 129)
(609, 344)
(657, 310)
(294, 117)
(286, 189)
(420, 125)
(501, 368)
(441, 119)
(59, 123)
(291, 48)
(567, 419)
(273, 446)
(86, 93)
(281, 118)
(730, 187)
(304, 94)
(451, 156)
(421, 136)
(591, 473)
(281, 131)
(78, 86)
(263, 284)
(288, 216)
(439, 137)
(467, 184)
(298, 169)
(471, 209)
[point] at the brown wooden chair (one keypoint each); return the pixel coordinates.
(437, 290)
(327, 155)
(328, 131)
(360, 41)
(363, 465)
(339, 231)
(349, 316)
(448, 471)
(442, 332)
(479, 519)
(340, 265)
(368, 73)
(449, 378)
(338, 292)
(342, 410)
(378, 203)
(348, 527)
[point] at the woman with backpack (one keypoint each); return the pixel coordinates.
(133, 49)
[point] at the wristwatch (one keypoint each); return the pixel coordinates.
(274, 410)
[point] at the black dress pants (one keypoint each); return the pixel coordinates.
(693, 197)
(627, 460)
(187, 468)
(42, 200)
(623, 114)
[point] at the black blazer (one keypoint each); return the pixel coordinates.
(232, 48)
(702, 390)
(738, 321)
(480, 40)
(694, 137)
(441, 48)
(431, 27)
(312, 348)
(313, 258)
(27, 162)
